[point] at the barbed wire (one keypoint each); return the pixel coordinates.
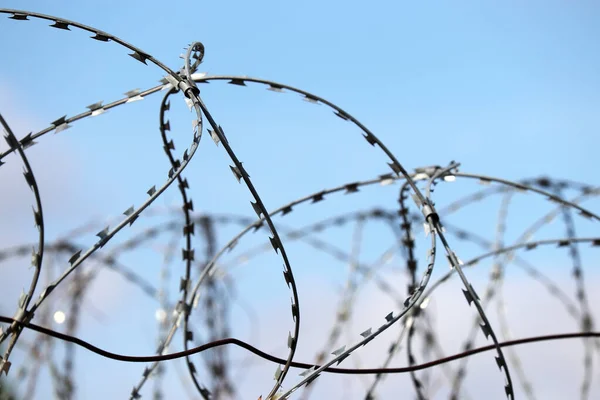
(208, 278)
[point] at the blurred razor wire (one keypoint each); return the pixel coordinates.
(205, 272)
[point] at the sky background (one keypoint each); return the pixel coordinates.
(508, 90)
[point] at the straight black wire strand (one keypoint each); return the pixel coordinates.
(246, 346)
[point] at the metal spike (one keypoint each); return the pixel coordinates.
(222, 132)
(351, 188)
(48, 290)
(308, 382)
(520, 188)
(140, 57)
(214, 136)
(310, 99)
(288, 277)
(188, 229)
(5, 367)
(395, 167)
(129, 211)
(239, 82)
(342, 115)
(188, 206)
(366, 333)
(132, 93)
(11, 141)
(101, 37)
(586, 214)
(309, 371)
(256, 208)
(22, 299)
(188, 254)
(486, 330)
(277, 372)
(37, 216)
(19, 17)
(232, 245)
(370, 138)
(275, 88)
(236, 172)
(183, 284)
(59, 121)
(95, 106)
(135, 394)
(35, 257)
(531, 246)
(318, 197)
(74, 257)
(509, 393)
(468, 296)
(184, 184)
(426, 228)
(97, 112)
(342, 358)
(275, 243)
(62, 127)
(450, 261)
(339, 351)
(499, 362)
(103, 233)
(27, 142)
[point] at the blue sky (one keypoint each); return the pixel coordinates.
(509, 90)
